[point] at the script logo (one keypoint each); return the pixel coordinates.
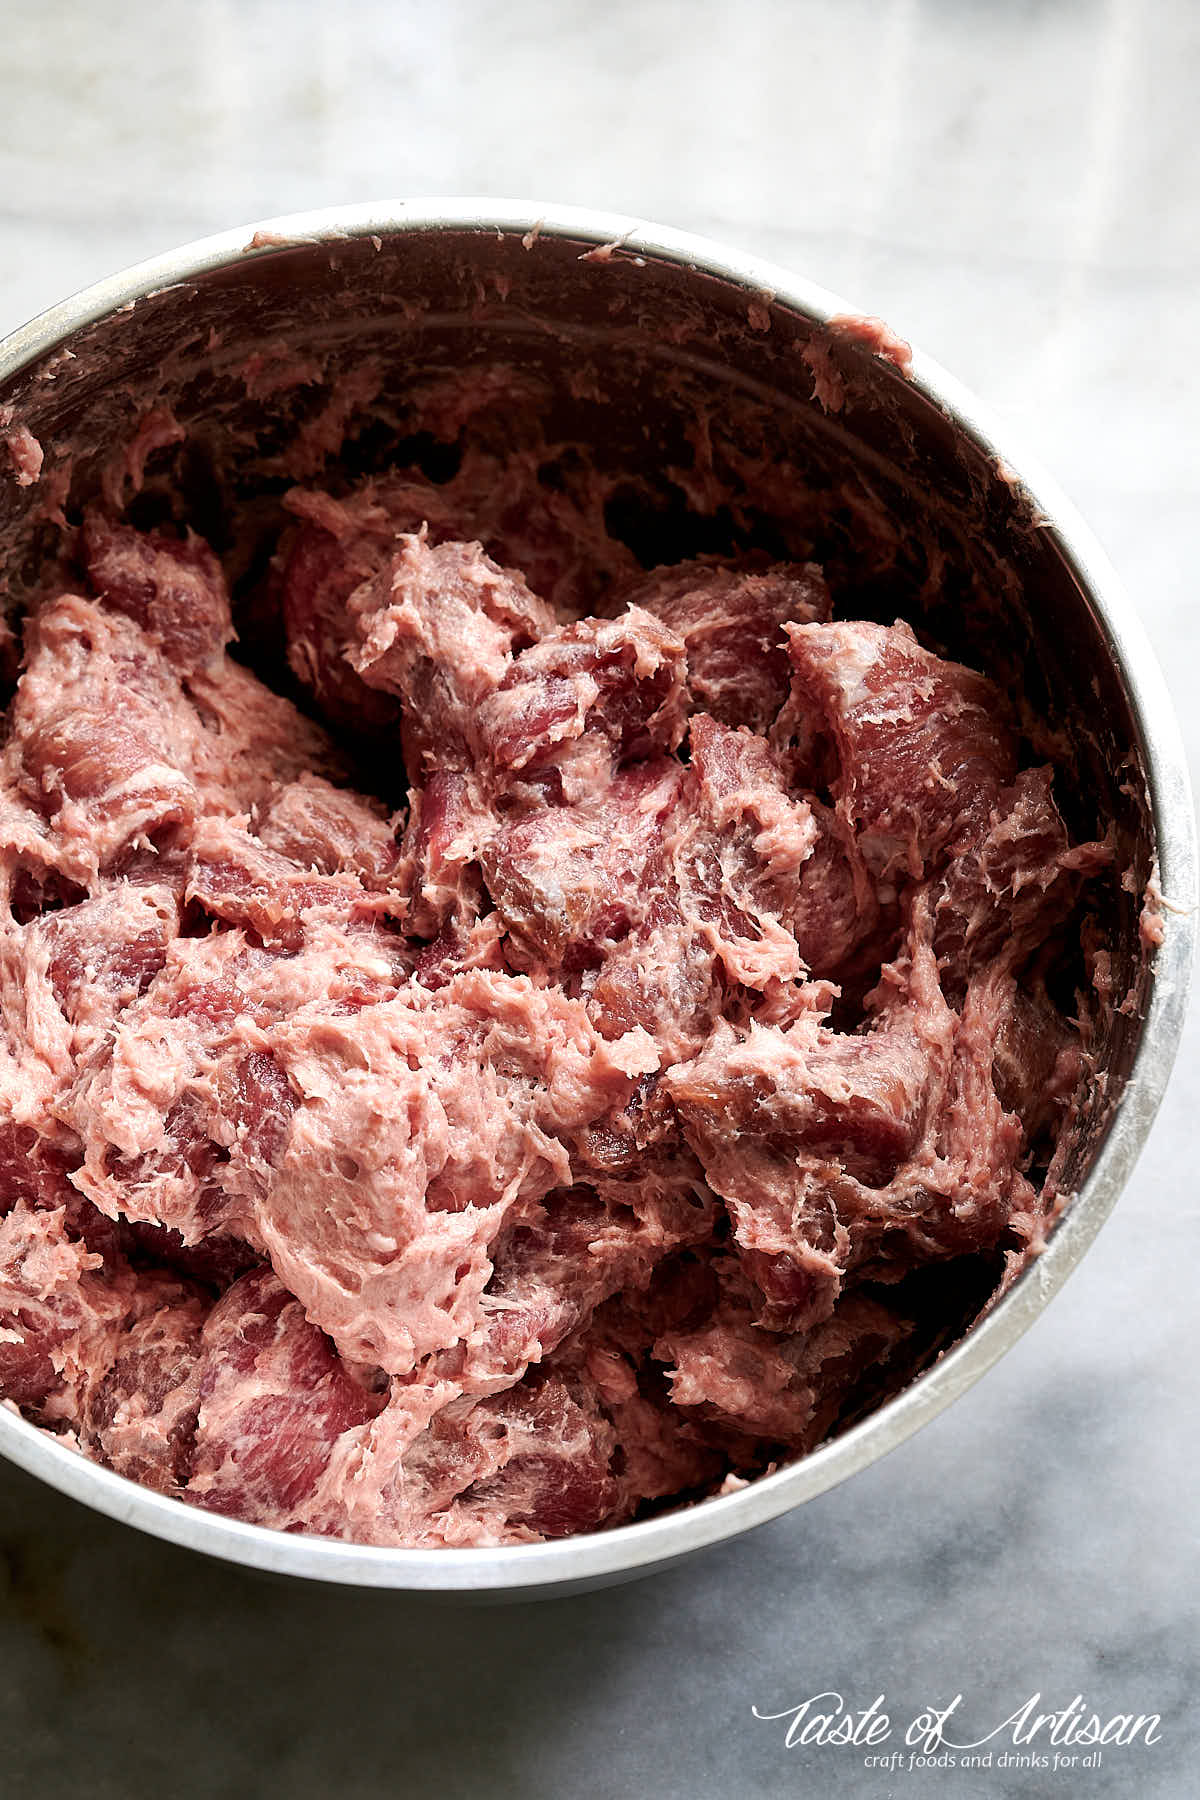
(947, 1736)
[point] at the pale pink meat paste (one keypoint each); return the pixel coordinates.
(572, 1139)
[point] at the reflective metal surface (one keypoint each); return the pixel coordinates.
(662, 324)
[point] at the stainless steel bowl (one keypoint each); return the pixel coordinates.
(638, 333)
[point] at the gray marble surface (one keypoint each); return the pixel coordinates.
(1016, 185)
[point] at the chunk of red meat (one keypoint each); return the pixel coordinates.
(236, 878)
(827, 1147)
(33, 876)
(207, 1008)
(105, 1236)
(110, 776)
(788, 1388)
(1011, 884)
(332, 830)
(717, 902)
(967, 1192)
(65, 980)
(473, 946)
(104, 952)
(102, 739)
(731, 622)
(177, 1183)
(213, 985)
(171, 1115)
(742, 846)
(152, 866)
(321, 569)
(1039, 1060)
(662, 979)
(556, 1477)
(255, 1102)
(273, 1400)
(448, 822)
(584, 1244)
(139, 1417)
(534, 1461)
(336, 548)
(637, 1139)
(60, 1318)
(33, 1168)
(437, 627)
(218, 1145)
(788, 1122)
(858, 1100)
(114, 753)
(342, 544)
(173, 587)
(660, 1452)
(598, 692)
(536, 1294)
(836, 910)
(568, 881)
(922, 750)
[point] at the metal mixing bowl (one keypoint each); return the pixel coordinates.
(669, 352)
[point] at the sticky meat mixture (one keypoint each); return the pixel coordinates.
(558, 1146)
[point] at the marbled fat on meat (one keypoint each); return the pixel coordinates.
(559, 1144)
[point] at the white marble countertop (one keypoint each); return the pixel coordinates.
(1017, 188)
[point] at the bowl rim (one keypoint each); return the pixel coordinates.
(591, 1559)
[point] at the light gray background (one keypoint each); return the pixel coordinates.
(1015, 184)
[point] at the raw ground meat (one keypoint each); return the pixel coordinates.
(561, 1144)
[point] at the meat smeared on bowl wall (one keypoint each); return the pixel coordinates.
(577, 902)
